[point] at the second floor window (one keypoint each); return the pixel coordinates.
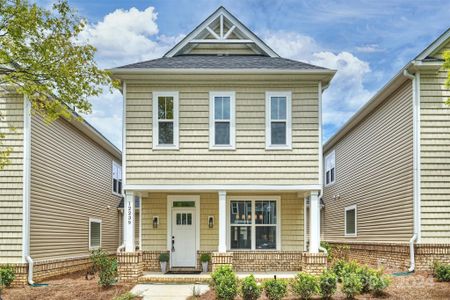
(165, 120)
(278, 120)
(117, 178)
(330, 173)
(222, 120)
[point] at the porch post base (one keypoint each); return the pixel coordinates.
(221, 258)
(314, 263)
(130, 266)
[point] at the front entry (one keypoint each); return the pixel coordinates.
(183, 249)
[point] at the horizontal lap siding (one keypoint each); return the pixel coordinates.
(374, 171)
(435, 157)
(71, 181)
(11, 177)
(194, 163)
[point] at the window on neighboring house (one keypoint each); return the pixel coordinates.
(330, 169)
(350, 220)
(95, 233)
(254, 224)
(117, 178)
(222, 120)
(165, 120)
(278, 120)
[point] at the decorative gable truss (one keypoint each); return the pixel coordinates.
(221, 34)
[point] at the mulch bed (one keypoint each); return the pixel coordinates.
(72, 286)
(421, 286)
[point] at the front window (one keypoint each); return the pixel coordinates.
(117, 178)
(330, 167)
(278, 120)
(253, 224)
(165, 123)
(222, 120)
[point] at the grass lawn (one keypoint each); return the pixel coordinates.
(72, 286)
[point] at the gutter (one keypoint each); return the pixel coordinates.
(416, 163)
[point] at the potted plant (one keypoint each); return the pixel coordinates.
(163, 259)
(205, 258)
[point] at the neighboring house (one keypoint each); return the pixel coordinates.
(387, 171)
(58, 194)
(222, 144)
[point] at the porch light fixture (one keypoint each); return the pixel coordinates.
(211, 221)
(155, 221)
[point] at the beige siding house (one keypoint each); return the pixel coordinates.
(222, 145)
(59, 193)
(387, 171)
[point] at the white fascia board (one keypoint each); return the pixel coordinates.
(221, 187)
(439, 42)
(138, 71)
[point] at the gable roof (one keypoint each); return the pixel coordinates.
(422, 60)
(201, 33)
(223, 62)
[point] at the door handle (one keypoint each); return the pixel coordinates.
(173, 243)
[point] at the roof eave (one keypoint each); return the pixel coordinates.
(133, 71)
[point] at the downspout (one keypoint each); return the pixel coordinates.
(30, 270)
(416, 163)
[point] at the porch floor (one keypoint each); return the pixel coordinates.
(157, 277)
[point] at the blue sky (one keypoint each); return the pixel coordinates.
(366, 41)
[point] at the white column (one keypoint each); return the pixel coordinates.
(314, 222)
(222, 221)
(128, 222)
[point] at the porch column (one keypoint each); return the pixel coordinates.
(222, 222)
(314, 222)
(128, 222)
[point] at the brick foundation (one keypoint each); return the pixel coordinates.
(151, 261)
(396, 255)
(267, 261)
(130, 266)
(314, 263)
(220, 259)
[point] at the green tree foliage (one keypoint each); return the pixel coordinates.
(447, 67)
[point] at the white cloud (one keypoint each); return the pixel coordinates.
(371, 48)
(346, 92)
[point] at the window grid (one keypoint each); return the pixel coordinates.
(278, 120)
(222, 120)
(165, 120)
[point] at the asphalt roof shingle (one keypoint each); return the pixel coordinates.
(222, 62)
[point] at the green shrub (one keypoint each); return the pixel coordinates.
(125, 296)
(225, 283)
(327, 284)
(205, 257)
(164, 257)
(7, 275)
(250, 290)
(329, 249)
(305, 285)
(379, 282)
(342, 267)
(351, 285)
(365, 275)
(106, 267)
(275, 289)
(441, 271)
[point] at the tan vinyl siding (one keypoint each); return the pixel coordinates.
(194, 163)
(11, 178)
(155, 204)
(435, 156)
(374, 171)
(71, 181)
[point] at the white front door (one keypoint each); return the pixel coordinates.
(183, 248)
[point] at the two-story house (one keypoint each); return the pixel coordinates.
(387, 171)
(222, 144)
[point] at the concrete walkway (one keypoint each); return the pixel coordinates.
(168, 291)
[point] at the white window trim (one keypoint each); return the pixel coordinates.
(232, 145)
(114, 163)
(288, 145)
(253, 227)
(332, 153)
(175, 145)
(356, 221)
(93, 220)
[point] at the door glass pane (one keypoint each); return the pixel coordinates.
(240, 237)
(183, 219)
(165, 133)
(266, 237)
(278, 133)
(178, 219)
(222, 133)
(241, 212)
(184, 204)
(266, 212)
(350, 221)
(189, 219)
